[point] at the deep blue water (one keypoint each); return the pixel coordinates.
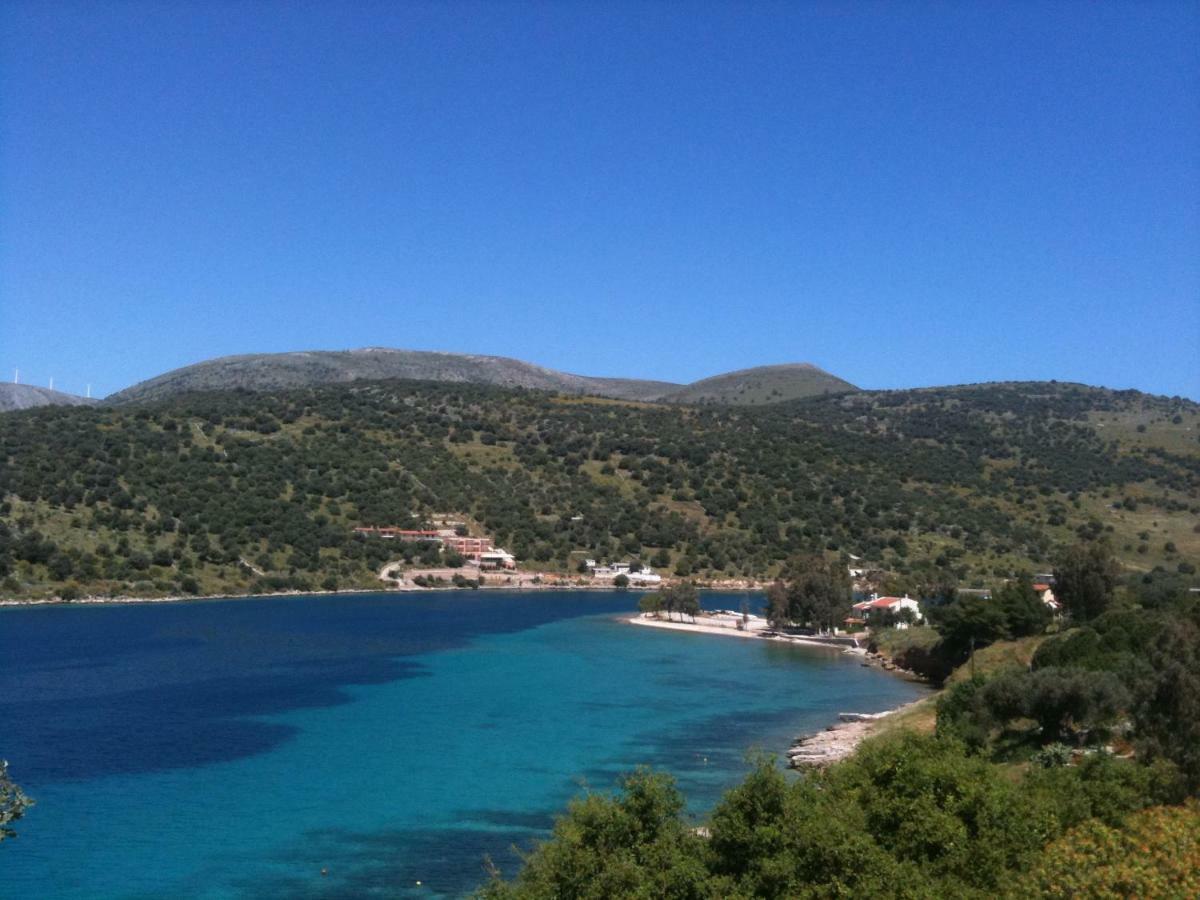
(237, 748)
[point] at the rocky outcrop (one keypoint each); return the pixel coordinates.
(836, 742)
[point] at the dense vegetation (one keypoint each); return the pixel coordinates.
(1074, 776)
(13, 802)
(236, 491)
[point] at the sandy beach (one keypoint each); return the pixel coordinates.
(727, 624)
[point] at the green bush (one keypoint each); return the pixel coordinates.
(1155, 854)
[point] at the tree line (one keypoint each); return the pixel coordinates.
(965, 485)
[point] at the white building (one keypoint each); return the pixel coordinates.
(890, 604)
(645, 575)
(497, 558)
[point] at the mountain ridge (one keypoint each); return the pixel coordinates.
(29, 396)
(301, 368)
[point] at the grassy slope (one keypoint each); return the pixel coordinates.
(921, 717)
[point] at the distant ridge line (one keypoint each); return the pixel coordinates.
(301, 368)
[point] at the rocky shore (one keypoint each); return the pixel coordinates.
(888, 665)
(839, 741)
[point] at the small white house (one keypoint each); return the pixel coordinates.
(497, 558)
(891, 604)
(644, 577)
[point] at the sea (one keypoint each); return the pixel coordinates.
(369, 745)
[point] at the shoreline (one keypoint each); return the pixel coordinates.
(726, 623)
(18, 602)
(813, 750)
(841, 740)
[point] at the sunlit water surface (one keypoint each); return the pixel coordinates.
(240, 748)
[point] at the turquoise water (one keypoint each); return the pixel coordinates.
(237, 749)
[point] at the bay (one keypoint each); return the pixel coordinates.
(367, 745)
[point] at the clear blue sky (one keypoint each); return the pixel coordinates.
(903, 193)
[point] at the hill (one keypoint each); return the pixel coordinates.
(233, 491)
(276, 371)
(764, 384)
(27, 396)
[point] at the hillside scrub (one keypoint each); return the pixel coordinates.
(194, 493)
(1156, 854)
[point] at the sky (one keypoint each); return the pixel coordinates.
(905, 194)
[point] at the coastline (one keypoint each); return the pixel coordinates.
(840, 740)
(122, 600)
(726, 624)
(814, 750)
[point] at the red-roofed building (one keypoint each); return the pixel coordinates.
(888, 604)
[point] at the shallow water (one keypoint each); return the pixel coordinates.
(238, 748)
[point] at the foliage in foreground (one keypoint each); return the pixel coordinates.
(13, 802)
(909, 816)
(1156, 854)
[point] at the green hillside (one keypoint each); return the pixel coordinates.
(764, 384)
(958, 484)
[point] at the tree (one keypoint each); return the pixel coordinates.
(814, 592)
(1167, 713)
(1084, 579)
(651, 603)
(621, 581)
(1060, 700)
(634, 844)
(13, 802)
(968, 622)
(681, 598)
(778, 604)
(1024, 611)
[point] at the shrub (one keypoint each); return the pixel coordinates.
(1052, 756)
(1156, 854)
